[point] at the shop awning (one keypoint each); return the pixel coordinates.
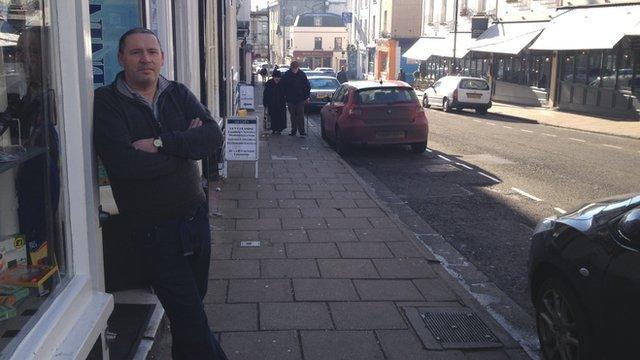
(508, 38)
(600, 27)
(427, 47)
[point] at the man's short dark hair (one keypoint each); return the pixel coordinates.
(138, 30)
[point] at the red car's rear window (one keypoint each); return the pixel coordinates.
(381, 96)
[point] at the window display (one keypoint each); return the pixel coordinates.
(32, 251)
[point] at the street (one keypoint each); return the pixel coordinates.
(486, 180)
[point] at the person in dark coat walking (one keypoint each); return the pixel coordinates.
(402, 76)
(297, 91)
(342, 75)
(274, 103)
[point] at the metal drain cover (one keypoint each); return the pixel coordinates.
(451, 328)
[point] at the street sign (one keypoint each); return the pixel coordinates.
(246, 97)
(347, 17)
(241, 139)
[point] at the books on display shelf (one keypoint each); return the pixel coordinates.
(28, 275)
(11, 295)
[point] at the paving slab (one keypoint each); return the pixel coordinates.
(331, 235)
(324, 290)
(347, 269)
(366, 316)
(260, 290)
(340, 345)
(270, 345)
(364, 250)
(234, 269)
(407, 268)
(294, 316)
(284, 235)
(405, 345)
(302, 268)
(312, 251)
(391, 290)
(232, 317)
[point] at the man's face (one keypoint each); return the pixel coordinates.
(276, 79)
(294, 69)
(142, 58)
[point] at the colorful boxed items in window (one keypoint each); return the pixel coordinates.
(13, 252)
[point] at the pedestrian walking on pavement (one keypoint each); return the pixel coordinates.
(402, 76)
(274, 103)
(342, 75)
(297, 91)
(149, 133)
(263, 73)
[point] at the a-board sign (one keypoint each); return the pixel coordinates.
(246, 97)
(241, 139)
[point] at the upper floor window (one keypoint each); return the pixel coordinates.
(317, 43)
(337, 43)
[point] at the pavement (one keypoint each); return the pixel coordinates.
(553, 117)
(309, 263)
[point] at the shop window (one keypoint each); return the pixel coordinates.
(580, 70)
(500, 69)
(568, 63)
(609, 69)
(635, 83)
(595, 68)
(337, 44)
(625, 72)
(32, 218)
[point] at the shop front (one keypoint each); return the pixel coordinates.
(598, 59)
(52, 298)
(386, 63)
(519, 76)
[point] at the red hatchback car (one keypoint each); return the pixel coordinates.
(374, 113)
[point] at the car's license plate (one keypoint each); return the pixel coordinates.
(323, 95)
(474, 96)
(390, 134)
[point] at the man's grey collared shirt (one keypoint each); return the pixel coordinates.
(126, 90)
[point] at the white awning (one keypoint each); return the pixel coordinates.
(508, 38)
(600, 27)
(427, 47)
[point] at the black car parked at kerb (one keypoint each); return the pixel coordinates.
(584, 272)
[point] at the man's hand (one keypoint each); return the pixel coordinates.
(307, 101)
(145, 145)
(195, 123)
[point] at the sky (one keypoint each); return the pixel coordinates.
(260, 3)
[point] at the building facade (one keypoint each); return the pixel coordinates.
(319, 40)
(588, 66)
(259, 34)
(381, 31)
(283, 14)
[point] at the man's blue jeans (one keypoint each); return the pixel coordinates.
(176, 254)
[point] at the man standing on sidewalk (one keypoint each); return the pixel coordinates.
(297, 91)
(149, 132)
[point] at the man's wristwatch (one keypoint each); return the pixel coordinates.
(157, 142)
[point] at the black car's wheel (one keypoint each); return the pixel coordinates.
(323, 132)
(481, 111)
(425, 101)
(562, 322)
(446, 107)
(342, 148)
(419, 148)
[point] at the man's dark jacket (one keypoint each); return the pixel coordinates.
(154, 186)
(296, 86)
